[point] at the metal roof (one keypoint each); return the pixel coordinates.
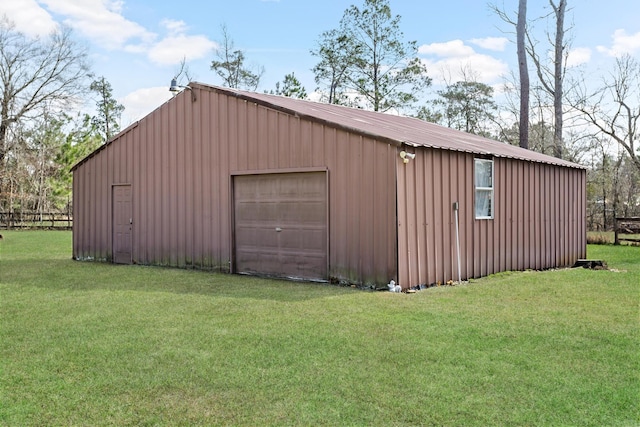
(399, 129)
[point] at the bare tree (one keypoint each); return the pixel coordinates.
(36, 75)
(183, 73)
(550, 76)
(230, 65)
(621, 90)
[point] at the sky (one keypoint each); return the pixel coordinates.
(137, 45)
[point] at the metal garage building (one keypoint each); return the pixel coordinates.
(242, 182)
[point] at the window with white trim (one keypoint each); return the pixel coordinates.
(484, 188)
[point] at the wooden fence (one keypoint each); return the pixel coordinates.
(36, 220)
(627, 230)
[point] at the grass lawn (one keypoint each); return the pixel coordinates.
(85, 343)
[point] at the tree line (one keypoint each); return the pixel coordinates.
(364, 62)
(42, 82)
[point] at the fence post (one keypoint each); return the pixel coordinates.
(616, 241)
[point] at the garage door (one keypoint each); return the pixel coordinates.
(280, 225)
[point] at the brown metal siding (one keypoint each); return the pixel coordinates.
(539, 218)
(408, 130)
(179, 160)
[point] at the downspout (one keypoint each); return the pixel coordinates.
(396, 234)
(455, 209)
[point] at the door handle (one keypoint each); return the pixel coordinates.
(278, 229)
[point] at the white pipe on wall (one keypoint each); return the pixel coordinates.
(455, 208)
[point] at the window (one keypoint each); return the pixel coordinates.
(484, 188)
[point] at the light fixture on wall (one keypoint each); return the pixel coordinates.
(407, 156)
(175, 88)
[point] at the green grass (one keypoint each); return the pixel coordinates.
(86, 343)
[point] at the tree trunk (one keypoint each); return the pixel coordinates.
(604, 199)
(4, 173)
(558, 77)
(524, 74)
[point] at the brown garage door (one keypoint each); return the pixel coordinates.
(281, 224)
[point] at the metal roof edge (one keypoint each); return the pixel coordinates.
(534, 156)
(552, 160)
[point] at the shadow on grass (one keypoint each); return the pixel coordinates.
(67, 274)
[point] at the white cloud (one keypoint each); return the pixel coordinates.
(497, 44)
(178, 45)
(141, 102)
(172, 49)
(453, 48)
(622, 43)
(451, 61)
(114, 5)
(173, 26)
(100, 21)
(28, 17)
(578, 56)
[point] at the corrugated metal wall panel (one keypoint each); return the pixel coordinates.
(538, 218)
(352, 166)
(504, 212)
(162, 230)
(96, 235)
(99, 211)
(152, 164)
(201, 215)
(553, 211)
(80, 211)
(100, 198)
(179, 205)
(524, 200)
(197, 223)
(179, 160)
(529, 215)
(560, 218)
(466, 216)
(137, 165)
(436, 202)
(446, 211)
